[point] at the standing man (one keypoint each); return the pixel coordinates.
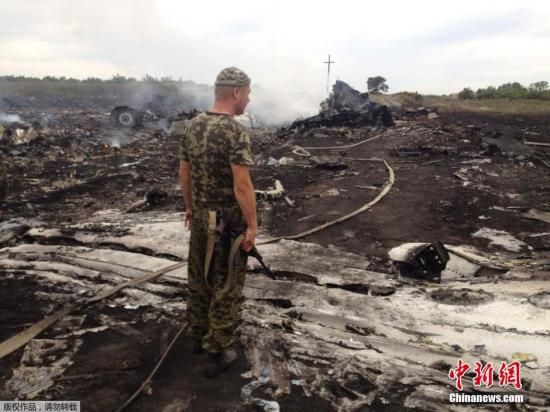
(215, 158)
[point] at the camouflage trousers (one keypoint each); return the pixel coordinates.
(213, 315)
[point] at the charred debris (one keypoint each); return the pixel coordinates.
(155, 110)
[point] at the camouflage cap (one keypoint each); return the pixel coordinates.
(232, 76)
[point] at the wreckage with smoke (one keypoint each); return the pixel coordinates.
(347, 106)
(344, 106)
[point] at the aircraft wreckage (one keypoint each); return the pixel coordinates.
(347, 106)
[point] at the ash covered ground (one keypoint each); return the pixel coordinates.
(91, 205)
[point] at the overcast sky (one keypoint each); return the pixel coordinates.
(426, 46)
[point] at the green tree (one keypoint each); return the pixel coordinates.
(512, 91)
(149, 79)
(488, 93)
(118, 78)
(466, 93)
(377, 84)
(538, 87)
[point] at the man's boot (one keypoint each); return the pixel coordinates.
(220, 362)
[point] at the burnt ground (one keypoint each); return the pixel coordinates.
(451, 180)
(75, 170)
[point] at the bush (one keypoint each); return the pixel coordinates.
(515, 90)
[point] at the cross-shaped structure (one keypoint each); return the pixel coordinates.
(328, 63)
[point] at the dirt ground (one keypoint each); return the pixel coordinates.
(455, 174)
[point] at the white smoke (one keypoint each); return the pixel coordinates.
(10, 118)
(119, 138)
(278, 107)
(267, 107)
(115, 142)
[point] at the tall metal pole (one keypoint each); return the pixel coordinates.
(328, 63)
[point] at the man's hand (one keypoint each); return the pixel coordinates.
(249, 240)
(188, 216)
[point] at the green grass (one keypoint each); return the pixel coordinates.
(449, 104)
(489, 106)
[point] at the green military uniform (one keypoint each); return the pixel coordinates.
(211, 143)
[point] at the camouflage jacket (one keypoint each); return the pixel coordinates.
(211, 143)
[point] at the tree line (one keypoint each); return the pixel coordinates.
(515, 90)
(117, 78)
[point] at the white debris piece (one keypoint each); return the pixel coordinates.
(284, 161)
(43, 360)
(456, 266)
(330, 193)
(272, 161)
(501, 239)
